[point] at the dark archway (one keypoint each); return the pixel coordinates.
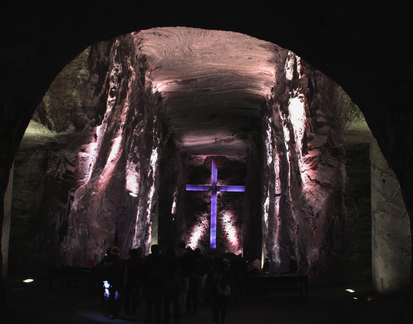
(348, 42)
(352, 43)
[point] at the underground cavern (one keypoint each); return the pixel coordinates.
(146, 112)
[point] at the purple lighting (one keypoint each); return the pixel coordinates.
(214, 188)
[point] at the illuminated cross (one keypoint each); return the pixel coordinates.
(214, 188)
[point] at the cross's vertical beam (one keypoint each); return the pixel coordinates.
(213, 227)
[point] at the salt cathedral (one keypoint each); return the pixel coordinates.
(273, 131)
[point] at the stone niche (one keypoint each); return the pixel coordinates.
(232, 212)
(108, 168)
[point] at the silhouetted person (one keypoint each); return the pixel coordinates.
(203, 268)
(226, 263)
(171, 287)
(185, 263)
(239, 272)
(153, 278)
(134, 267)
(113, 274)
(203, 263)
(97, 272)
(193, 287)
(141, 254)
(217, 279)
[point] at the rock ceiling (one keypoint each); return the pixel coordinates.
(214, 83)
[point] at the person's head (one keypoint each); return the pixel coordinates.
(134, 253)
(140, 251)
(115, 252)
(155, 249)
(181, 244)
(210, 257)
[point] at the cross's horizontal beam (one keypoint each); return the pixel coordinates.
(198, 187)
(231, 188)
(190, 187)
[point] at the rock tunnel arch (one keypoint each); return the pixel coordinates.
(271, 22)
(117, 91)
(367, 97)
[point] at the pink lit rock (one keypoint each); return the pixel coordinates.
(156, 109)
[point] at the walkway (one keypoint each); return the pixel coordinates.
(33, 303)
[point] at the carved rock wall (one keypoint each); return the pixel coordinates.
(43, 177)
(305, 208)
(85, 190)
(298, 177)
(116, 200)
(391, 244)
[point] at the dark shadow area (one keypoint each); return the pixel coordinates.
(33, 303)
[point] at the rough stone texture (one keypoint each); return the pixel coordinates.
(76, 98)
(172, 172)
(203, 93)
(44, 176)
(350, 249)
(302, 178)
(79, 183)
(214, 83)
(351, 42)
(120, 167)
(391, 244)
(298, 178)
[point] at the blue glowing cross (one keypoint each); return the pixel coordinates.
(214, 188)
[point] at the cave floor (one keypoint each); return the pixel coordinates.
(34, 303)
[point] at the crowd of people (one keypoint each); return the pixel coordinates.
(170, 283)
